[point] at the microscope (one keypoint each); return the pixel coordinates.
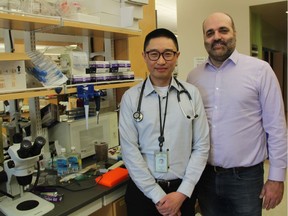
(19, 171)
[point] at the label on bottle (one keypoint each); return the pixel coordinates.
(73, 163)
(62, 166)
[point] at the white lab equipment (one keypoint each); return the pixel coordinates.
(19, 170)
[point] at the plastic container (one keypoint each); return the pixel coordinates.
(62, 163)
(75, 161)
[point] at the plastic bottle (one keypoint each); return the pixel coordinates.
(74, 160)
(62, 163)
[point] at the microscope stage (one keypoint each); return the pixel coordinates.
(27, 205)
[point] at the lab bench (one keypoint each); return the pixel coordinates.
(83, 198)
(88, 201)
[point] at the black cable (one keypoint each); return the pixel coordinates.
(7, 194)
(66, 187)
(37, 177)
(11, 42)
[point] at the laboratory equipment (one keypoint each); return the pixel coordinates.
(19, 170)
(84, 139)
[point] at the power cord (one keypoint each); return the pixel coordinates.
(37, 177)
(6, 194)
(73, 182)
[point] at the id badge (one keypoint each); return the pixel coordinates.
(161, 162)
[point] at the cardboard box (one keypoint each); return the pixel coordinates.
(84, 18)
(12, 75)
(105, 6)
(139, 2)
(120, 65)
(99, 66)
(137, 9)
(134, 25)
(109, 19)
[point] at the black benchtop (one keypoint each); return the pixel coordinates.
(73, 201)
(80, 194)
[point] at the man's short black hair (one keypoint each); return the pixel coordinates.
(160, 32)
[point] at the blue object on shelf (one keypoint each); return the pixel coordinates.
(85, 92)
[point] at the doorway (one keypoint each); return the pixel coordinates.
(268, 34)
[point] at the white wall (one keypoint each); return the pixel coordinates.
(190, 15)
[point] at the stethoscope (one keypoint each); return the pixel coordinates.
(138, 115)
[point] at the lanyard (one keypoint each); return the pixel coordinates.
(161, 137)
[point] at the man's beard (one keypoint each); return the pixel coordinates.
(228, 48)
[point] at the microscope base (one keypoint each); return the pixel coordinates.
(28, 204)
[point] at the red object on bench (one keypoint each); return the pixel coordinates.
(112, 177)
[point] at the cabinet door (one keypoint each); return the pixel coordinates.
(119, 207)
(104, 211)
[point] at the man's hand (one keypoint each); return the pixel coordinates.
(272, 194)
(170, 204)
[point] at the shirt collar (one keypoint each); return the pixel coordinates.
(149, 89)
(232, 58)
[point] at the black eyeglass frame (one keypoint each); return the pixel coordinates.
(161, 54)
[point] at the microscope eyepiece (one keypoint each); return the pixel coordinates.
(24, 151)
(40, 141)
(17, 138)
(37, 146)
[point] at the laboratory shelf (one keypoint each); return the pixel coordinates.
(64, 89)
(13, 56)
(59, 25)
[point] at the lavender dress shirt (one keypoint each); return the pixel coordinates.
(245, 111)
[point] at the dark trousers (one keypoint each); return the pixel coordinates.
(231, 192)
(138, 204)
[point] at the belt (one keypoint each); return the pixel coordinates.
(168, 183)
(218, 169)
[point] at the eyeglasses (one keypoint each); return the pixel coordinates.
(154, 55)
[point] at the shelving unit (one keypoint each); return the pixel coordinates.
(126, 46)
(13, 56)
(16, 21)
(58, 25)
(66, 89)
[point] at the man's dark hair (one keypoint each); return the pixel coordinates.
(160, 32)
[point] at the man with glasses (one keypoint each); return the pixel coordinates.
(163, 134)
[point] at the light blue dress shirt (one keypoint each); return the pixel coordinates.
(186, 140)
(245, 112)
